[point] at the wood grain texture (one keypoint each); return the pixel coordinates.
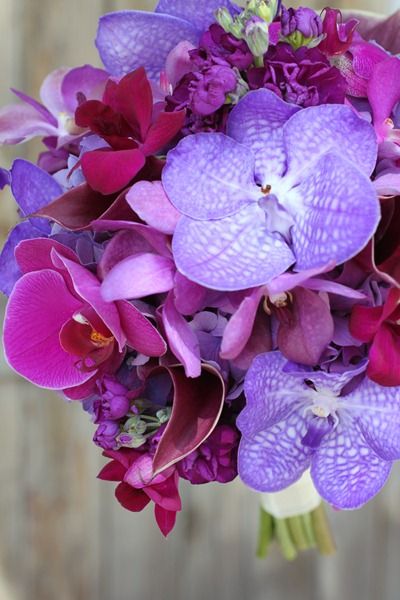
(62, 534)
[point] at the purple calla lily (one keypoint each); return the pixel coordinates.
(284, 187)
(296, 419)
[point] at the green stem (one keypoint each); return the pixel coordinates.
(297, 532)
(265, 533)
(284, 539)
(322, 530)
(259, 61)
(308, 529)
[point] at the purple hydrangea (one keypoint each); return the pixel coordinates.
(347, 432)
(286, 187)
(214, 460)
(304, 76)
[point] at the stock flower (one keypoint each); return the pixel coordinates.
(287, 187)
(59, 333)
(347, 431)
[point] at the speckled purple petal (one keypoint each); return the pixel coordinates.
(130, 39)
(234, 253)
(210, 176)
(257, 122)
(336, 211)
(346, 472)
(200, 14)
(271, 460)
(314, 131)
(378, 415)
(32, 187)
(269, 398)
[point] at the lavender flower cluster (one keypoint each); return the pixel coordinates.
(207, 256)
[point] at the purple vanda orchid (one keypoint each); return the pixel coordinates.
(54, 115)
(284, 187)
(347, 432)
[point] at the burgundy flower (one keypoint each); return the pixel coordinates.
(380, 326)
(222, 48)
(214, 460)
(131, 128)
(338, 35)
(304, 76)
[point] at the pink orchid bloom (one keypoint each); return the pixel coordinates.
(54, 115)
(137, 486)
(59, 333)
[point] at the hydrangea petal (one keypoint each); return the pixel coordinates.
(271, 460)
(346, 471)
(32, 327)
(10, 271)
(129, 39)
(234, 253)
(339, 213)
(269, 399)
(200, 15)
(317, 130)
(257, 122)
(378, 416)
(210, 176)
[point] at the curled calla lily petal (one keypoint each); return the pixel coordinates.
(196, 409)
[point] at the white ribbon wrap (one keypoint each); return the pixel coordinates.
(297, 499)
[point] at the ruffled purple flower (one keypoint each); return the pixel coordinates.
(346, 431)
(113, 403)
(304, 20)
(214, 460)
(207, 90)
(106, 435)
(222, 48)
(304, 77)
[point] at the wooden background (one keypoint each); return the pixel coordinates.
(62, 535)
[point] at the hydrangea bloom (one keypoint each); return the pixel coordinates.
(285, 187)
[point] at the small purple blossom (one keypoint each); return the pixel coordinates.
(295, 419)
(214, 460)
(222, 48)
(208, 90)
(304, 20)
(106, 434)
(114, 402)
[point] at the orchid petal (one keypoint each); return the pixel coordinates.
(35, 254)
(140, 334)
(340, 213)
(130, 39)
(346, 471)
(240, 325)
(32, 327)
(200, 15)
(210, 176)
(257, 122)
(190, 297)
(22, 122)
(314, 131)
(10, 271)
(178, 62)
(50, 91)
(230, 254)
(86, 80)
(151, 204)
(181, 338)
(109, 171)
(32, 187)
(165, 519)
(384, 98)
(138, 276)
(196, 409)
(130, 498)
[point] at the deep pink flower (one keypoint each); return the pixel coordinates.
(132, 128)
(380, 326)
(59, 332)
(138, 487)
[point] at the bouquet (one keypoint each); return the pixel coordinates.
(208, 255)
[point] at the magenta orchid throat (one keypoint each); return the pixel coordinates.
(208, 254)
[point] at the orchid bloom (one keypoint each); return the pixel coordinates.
(127, 40)
(347, 432)
(58, 332)
(284, 187)
(132, 130)
(54, 116)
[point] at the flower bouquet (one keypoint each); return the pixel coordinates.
(208, 255)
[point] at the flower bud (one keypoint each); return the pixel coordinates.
(257, 36)
(224, 18)
(265, 9)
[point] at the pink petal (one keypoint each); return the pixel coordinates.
(166, 493)
(108, 171)
(365, 321)
(131, 499)
(384, 358)
(165, 519)
(383, 98)
(50, 92)
(181, 338)
(151, 204)
(178, 62)
(38, 307)
(139, 276)
(86, 80)
(113, 471)
(139, 332)
(190, 297)
(21, 122)
(156, 239)
(240, 325)
(123, 244)
(196, 409)
(35, 254)
(260, 341)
